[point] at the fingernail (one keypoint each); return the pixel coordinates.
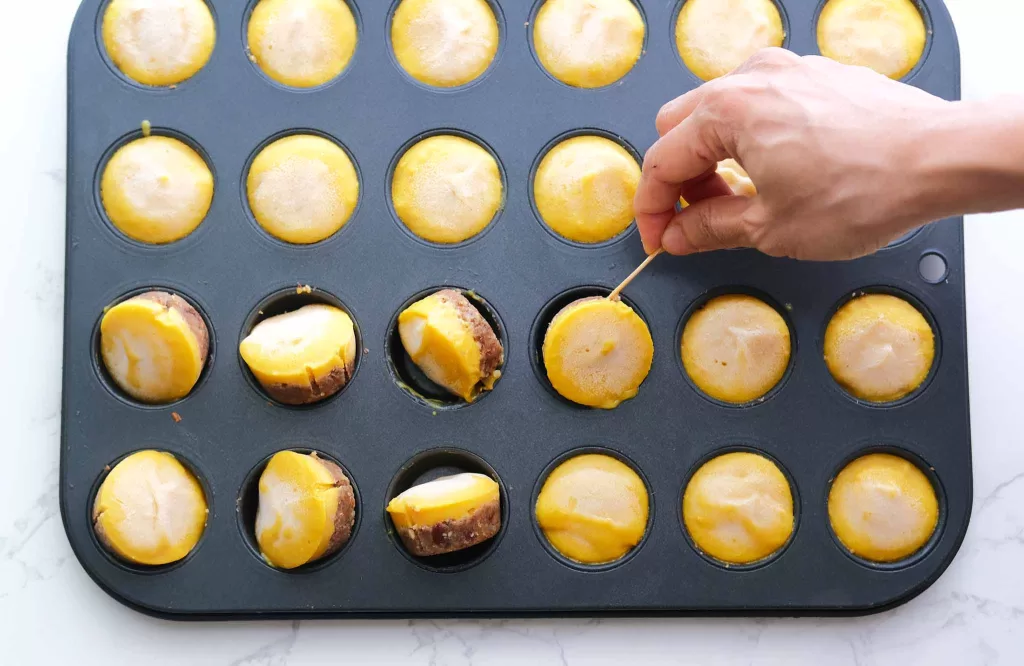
(649, 248)
(674, 240)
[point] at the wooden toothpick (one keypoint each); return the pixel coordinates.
(614, 296)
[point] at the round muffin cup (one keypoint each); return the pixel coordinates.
(390, 177)
(572, 134)
(699, 303)
(920, 307)
(430, 465)
(265, 235)
(414, 382)
(897, 449)
(740, 447)
(290, 299)
(539, 532)
(248, 501)
(540, 328)
(144, 569)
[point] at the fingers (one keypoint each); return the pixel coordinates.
(678, 157)
(712, 224)
(708, 185)
(677, 110)
(651, 227)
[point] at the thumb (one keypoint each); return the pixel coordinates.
(715, 223)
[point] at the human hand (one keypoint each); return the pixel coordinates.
(837, 154)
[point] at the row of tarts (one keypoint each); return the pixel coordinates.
(592, 509)
(596, 351)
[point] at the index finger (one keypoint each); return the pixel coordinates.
(676, 158)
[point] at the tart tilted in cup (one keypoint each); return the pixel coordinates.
(154, 346)
(302, 356)
(451, 342)
(306, 509)
(447, 514)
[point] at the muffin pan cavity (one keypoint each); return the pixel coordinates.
(431, 465)
(390, 428)
(286, 300)
(247, 506)
(408, 377)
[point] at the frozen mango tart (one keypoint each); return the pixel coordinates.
(150, 509)
(158, 42)
(887, 36)
(447, 514)
(879, 347)
(736, 177)
(882, 507)
(736, 348)
(597, 352)
(446, 189)
(302, 356)
(593, 509)
(588, 43)
(584, 188)
(154, 346)
(738, 508)
(307, 508)
(302, 43)
(302, 188)
(444, 43)
(715, 37)
(156, 189)
(451, 342)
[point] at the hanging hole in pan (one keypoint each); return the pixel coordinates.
(933, 268)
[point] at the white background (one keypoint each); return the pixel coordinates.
(51, 612)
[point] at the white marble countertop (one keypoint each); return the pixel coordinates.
(51, 612)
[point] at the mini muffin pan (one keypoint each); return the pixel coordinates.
(389, 428)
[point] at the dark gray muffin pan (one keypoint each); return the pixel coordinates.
(388, 429)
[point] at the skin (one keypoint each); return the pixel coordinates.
(845, 161)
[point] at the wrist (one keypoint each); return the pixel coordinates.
(969, 158)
